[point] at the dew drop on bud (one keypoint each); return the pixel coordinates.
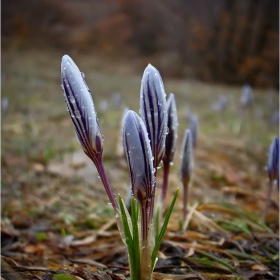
(72, 99)
(77, 114)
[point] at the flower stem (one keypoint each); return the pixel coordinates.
(269, 192)
(102, 173)
(166, 168)
(185, 201)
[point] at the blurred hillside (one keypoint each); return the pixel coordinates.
(220, 41)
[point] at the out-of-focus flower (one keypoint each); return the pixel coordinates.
(153, 111)
(273, 160)
(103, 105)
(194, 129)
(247, 97)
(81, 108)
(172, 124)
(139, 156)
(221, 104)
(272, 171)
(187, 156)
(186, 166)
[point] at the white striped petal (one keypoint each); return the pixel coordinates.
(153, 111)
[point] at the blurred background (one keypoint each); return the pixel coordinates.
(217, 41)
(220, 58)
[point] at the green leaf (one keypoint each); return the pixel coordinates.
(132, 251)
(63, 277)
(41, 236)
(163, 229)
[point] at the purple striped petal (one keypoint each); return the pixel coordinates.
(81, 108)
(273, 160)
(153, 111)
(139, 156)
(172, 124)
(187, 156)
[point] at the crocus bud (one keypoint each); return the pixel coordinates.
(194, 129)
(273, 160)
(153, 111)
(187, 155)
(81, 109)
(139, 156)
(172, 124)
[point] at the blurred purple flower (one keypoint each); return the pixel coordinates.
(153, 111)
(273, 160)
(186, 165)
(247, 97)
(194, 128)
(187, 155)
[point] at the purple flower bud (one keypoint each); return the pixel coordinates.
(194, 128)
(187, 157)
(81, 109)
(273, 160)
(139, 156)
(172, 124)
(153, 111)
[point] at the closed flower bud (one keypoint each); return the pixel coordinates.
(153, 111)
(139, 156)
(187, 157)
(273, 160)
(81, 108)
(194, 129)
(172, 124)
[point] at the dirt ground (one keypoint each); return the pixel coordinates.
(56, 220)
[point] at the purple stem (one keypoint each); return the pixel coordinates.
(185, 201)
(166, 167)
(151, 204)
(102, 173)
(269, 192)
(144, 206)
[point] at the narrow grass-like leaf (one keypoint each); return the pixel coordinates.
(233, 225)
(219, 260)
(246, 214)
(135, 232)
(163, 229)
(129, 241)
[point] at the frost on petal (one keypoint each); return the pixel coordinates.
(153, 111)
(81, 108)
(139, 157)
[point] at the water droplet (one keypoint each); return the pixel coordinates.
(72, 99)
(167, 130)
(83, 75)
(77, 114)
